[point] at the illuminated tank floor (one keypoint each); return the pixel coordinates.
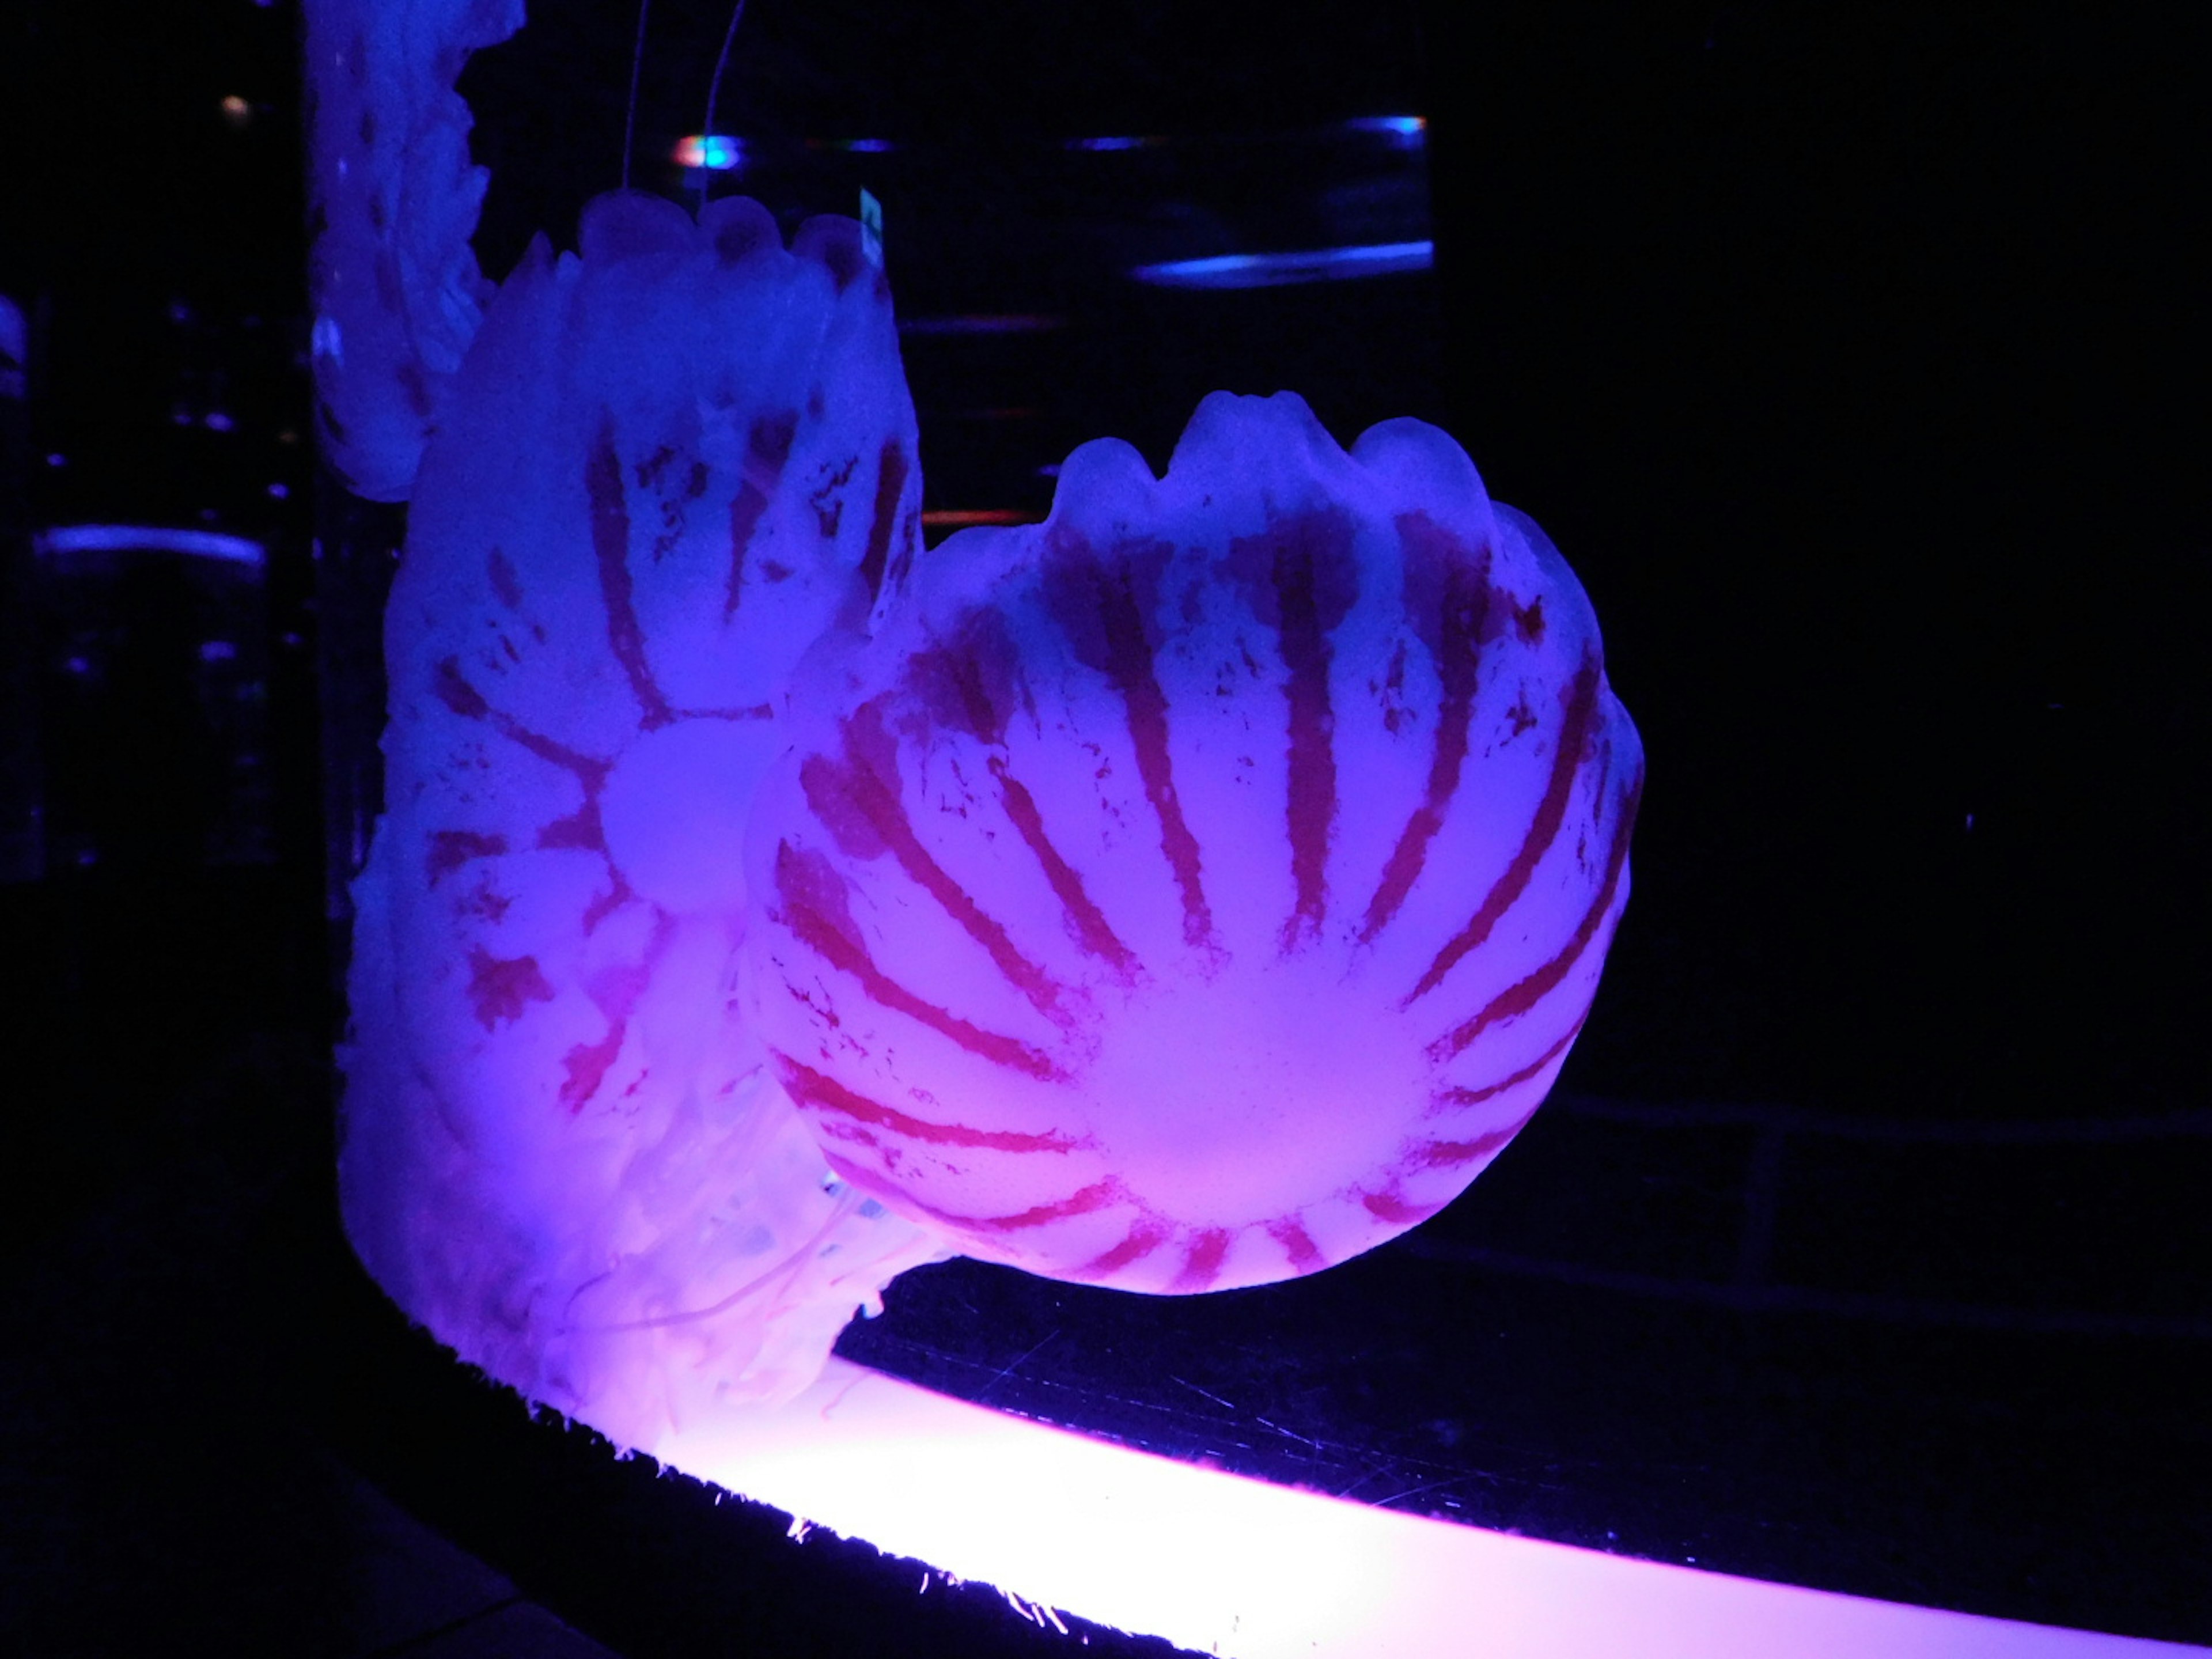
(177, 1460)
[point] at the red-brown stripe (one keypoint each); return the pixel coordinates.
(890, 483)
(968, 685)
(869, 778)
(606, 904)
(504, 582)
(1086, 1201)
(1521, 998)
(451, 849)
(1297, 1243)
(1551, 811)
(1389, 1206)
(503, 987)
(813, 895)
(615, 991)
(1144, 1237)
(812, 1088)
(592, 772)
(768, 446)
(1443, 1154)
(602, 484)
(1086, 921)
(1464, 607)
(586, 1066)
(452, 688)
(1202, 1266)
(580, 828)
(1453, 1099)
(1145, 706)
(1310, 808)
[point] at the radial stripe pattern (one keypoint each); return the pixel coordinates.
(668, 463)
(1203, 886)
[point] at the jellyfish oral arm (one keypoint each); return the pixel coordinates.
(1224, 1564)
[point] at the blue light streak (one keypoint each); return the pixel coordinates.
(65, 540)
(1327, 264)
(1406, 129)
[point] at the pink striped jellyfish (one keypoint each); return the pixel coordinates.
(1202, 887)
(666, 466)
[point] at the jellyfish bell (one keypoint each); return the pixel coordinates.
(1189, 892)
(396, 293)
(667, 463)
(1202, 887)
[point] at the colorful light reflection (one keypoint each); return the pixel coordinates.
(715, 152)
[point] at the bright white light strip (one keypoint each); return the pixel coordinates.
(1325, 264)
(1250, 1570)
(143, 538)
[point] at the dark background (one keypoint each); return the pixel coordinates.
(1855, 360)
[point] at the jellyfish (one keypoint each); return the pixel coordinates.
(1203, 886)
(667, 464)
(396, 293)
(1187, 893)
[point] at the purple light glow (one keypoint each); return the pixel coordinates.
(1223, 1565)
(667, 465)
(1192, 891)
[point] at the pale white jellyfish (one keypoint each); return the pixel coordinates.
(1203, 886)
(666, 465)
(394, 283)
